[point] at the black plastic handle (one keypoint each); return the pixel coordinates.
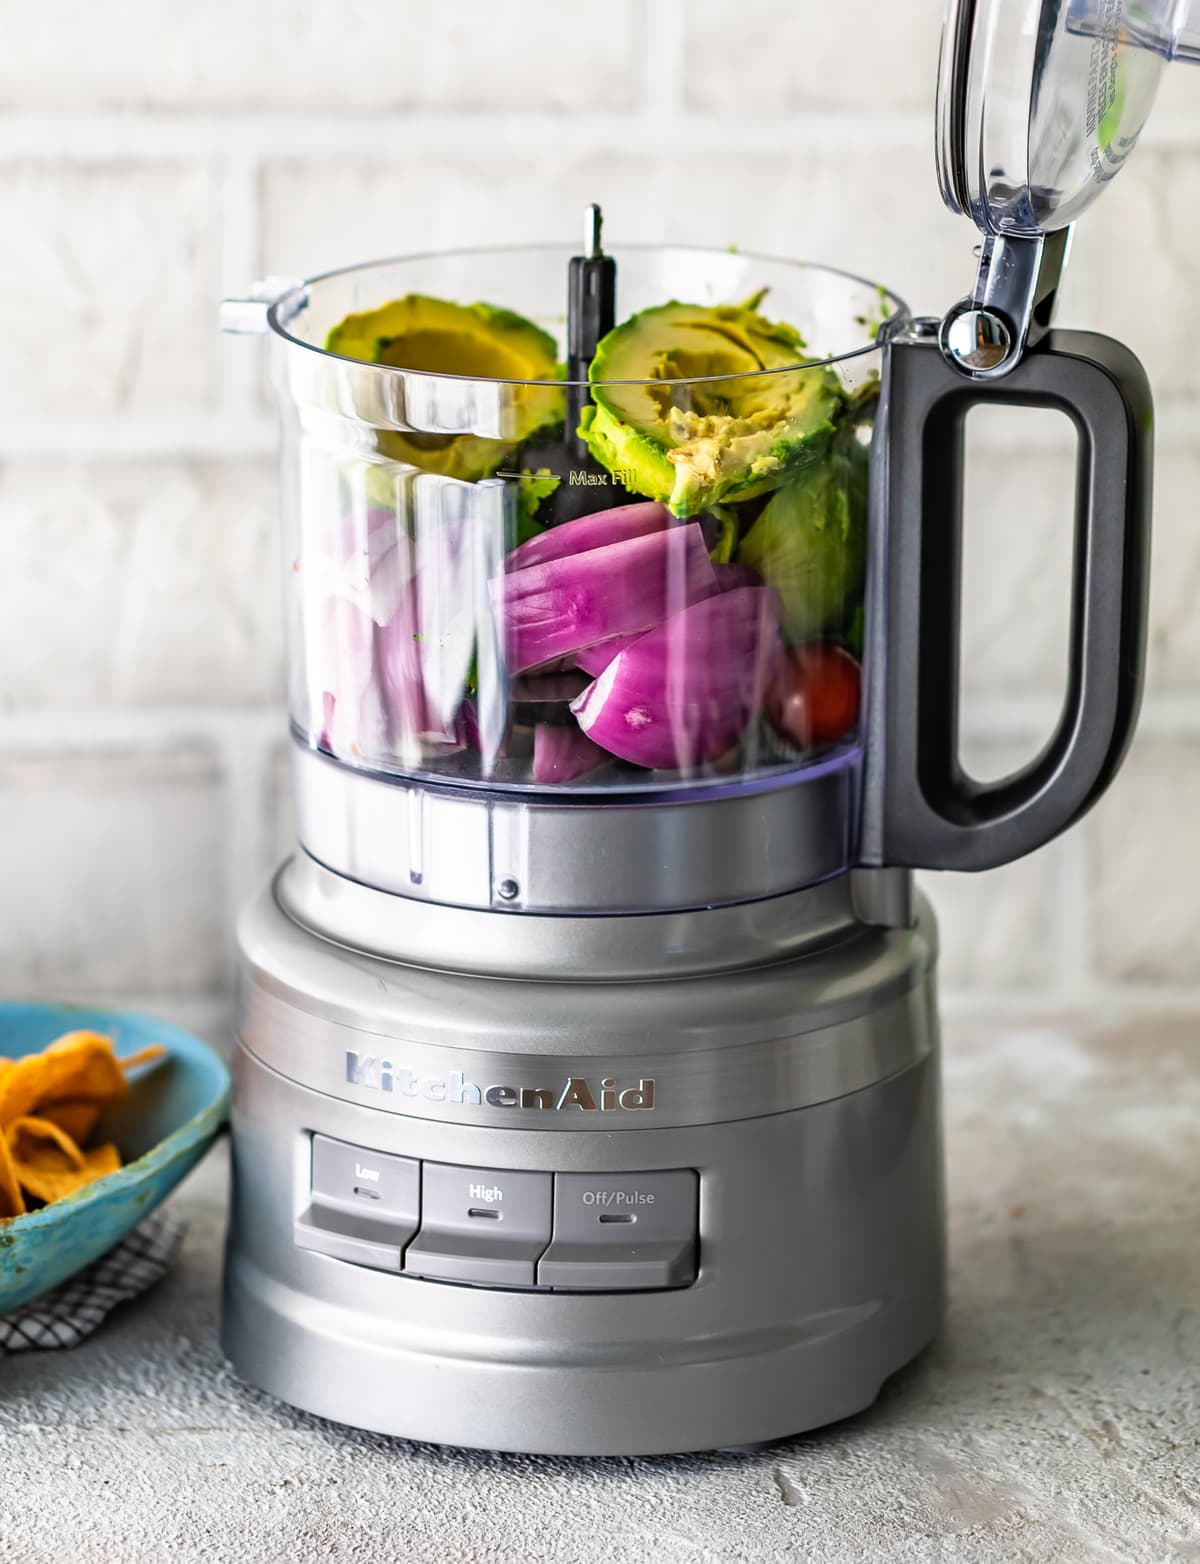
(920, 809)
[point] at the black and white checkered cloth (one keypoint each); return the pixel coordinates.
(63, 1318)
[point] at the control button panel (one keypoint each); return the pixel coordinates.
(496, 1227)
(365, 1205)
(616, 1232)
(483, 1225)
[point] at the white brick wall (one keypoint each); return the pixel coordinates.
(351, 56)
(153, 155)
(873, 56)
(139, 583)
(112, 877)
(1146, 850)
(108, 263)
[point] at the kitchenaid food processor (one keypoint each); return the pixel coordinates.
(586, 1088)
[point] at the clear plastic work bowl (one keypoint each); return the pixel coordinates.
(478, 595)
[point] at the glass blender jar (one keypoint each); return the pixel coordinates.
(586, 1090)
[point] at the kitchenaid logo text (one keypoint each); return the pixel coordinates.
(576, 1092)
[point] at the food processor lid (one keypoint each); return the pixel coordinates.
(1040, 102)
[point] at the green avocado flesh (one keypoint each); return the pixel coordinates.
(472, 340)
(712, 440)
(810, 541)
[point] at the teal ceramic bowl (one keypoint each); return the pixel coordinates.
(170, 1117)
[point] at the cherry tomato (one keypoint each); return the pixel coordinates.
(815, 696)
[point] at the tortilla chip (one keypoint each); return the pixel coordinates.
(12, 1201)
(145, 1055)
(49, 1105)
(77, 1116)
(81, 1064)
(32, 1138)
(49, 1184)
(97, 1073)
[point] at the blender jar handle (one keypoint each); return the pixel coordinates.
(920, 809)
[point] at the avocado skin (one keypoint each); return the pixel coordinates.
(753, 413)
(431, 335)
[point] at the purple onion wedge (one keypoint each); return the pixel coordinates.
(366, 560)
(401, 681)
(355, 724)
(553, 610)
(561, 753)
(594, 660)
(735, 575)
(683, 693)
(590, 532)
(443, 606)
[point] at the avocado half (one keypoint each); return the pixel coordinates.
(472, 340)
(809, 542)
(734, 432)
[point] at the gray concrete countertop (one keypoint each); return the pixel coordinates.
(1057, 1420)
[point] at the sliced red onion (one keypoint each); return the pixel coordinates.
(590, 532)
(341, 647)
(357, 730)
(327, 710)
(445, 602)
(401, 679)
(355, 721)
(555, 609)
(364, 538)
(594, 660)
(684, 692)
(466, 724)
(547, 689)
(392, 646)
(561, 753)
(367, 560)
(735, 575)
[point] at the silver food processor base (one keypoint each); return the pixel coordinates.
(779, 1061)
